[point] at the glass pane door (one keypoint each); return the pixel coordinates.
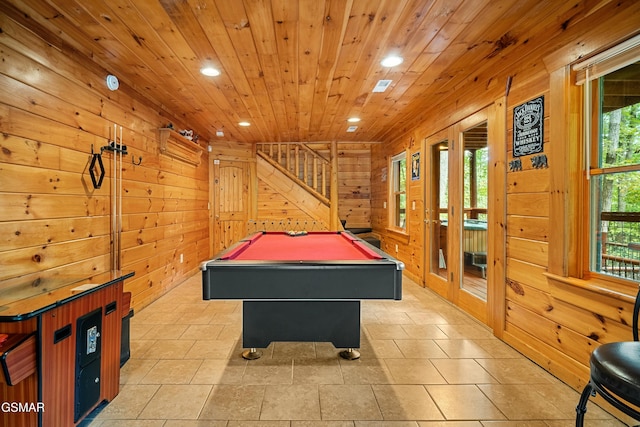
(439, 208)
(475, 191)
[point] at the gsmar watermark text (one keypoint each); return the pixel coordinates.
(22, 407)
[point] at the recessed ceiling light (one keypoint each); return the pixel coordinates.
(352, 128)
(245, 124)
(210, 71)
(391, 61)
(353, 119)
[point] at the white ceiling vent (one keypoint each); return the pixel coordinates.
(352, 128)
(382, 85)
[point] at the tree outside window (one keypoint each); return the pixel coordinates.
(615, 173)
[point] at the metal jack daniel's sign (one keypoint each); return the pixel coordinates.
(528, 127)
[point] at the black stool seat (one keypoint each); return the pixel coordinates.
(615, 374)
(616, 366)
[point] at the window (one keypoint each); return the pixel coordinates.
(398, 211)
(612, 129)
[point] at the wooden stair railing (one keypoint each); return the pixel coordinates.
(304, 165)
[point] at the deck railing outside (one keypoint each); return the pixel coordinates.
(620, 237)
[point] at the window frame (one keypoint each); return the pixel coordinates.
(395, 191)
(586, 82)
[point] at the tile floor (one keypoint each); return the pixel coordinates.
(424, 363)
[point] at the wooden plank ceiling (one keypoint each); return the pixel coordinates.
(296, 70)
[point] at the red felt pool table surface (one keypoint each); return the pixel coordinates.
(313, 246)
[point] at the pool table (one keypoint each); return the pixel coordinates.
(302, 286)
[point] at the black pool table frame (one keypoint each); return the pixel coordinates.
(315, 301)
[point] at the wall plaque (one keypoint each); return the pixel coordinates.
(528, 131)
(415, 166)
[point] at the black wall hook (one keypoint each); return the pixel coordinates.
(96, 157)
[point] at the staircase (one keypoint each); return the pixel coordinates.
(302, 164)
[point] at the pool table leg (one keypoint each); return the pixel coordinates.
(350, 354)
(252, 354)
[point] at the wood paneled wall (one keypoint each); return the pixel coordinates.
(354, 191)
(555, 322)
(54, 107)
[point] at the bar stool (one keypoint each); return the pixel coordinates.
(615, 374)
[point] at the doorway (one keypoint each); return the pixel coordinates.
(463, 195)
(437, 214)
(231, 185)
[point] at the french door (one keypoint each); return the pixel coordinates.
(461, 213)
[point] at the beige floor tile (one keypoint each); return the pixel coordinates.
(611, 422)
(195, 318)
(172, 372)
(326, 350)
(268, 371)
(525, 423)
(464, 402)
(139, 348)
(128, 423)
(427, 318)
(214, 306)
(258, 424)
(153, 317)
(461, 348)
(466, 331)
(293, 350)
(420, 349)
(463, 371)
(211, 349)
(220, 371)
(135, 369)
(406, 402)
(497, 349)
(394, 318)
(379, 349)
(385, 332)
(194, 423)
(317, 371)
(129, 403)
(186, 308)
(369, 317)
(137, 330)
(386, 423)
(222, 318)
(165, 332)
(413, 371)
(234, 402)
(424, 332)
(231, 332)
(365, 372)
(417, 354)
(450, 424)
(177, 402)
(566, 399)
(168, 349)
(522, 402)
(348, 402)
(322, 424)
(516, 371)
(290, 402)
(202, 332)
